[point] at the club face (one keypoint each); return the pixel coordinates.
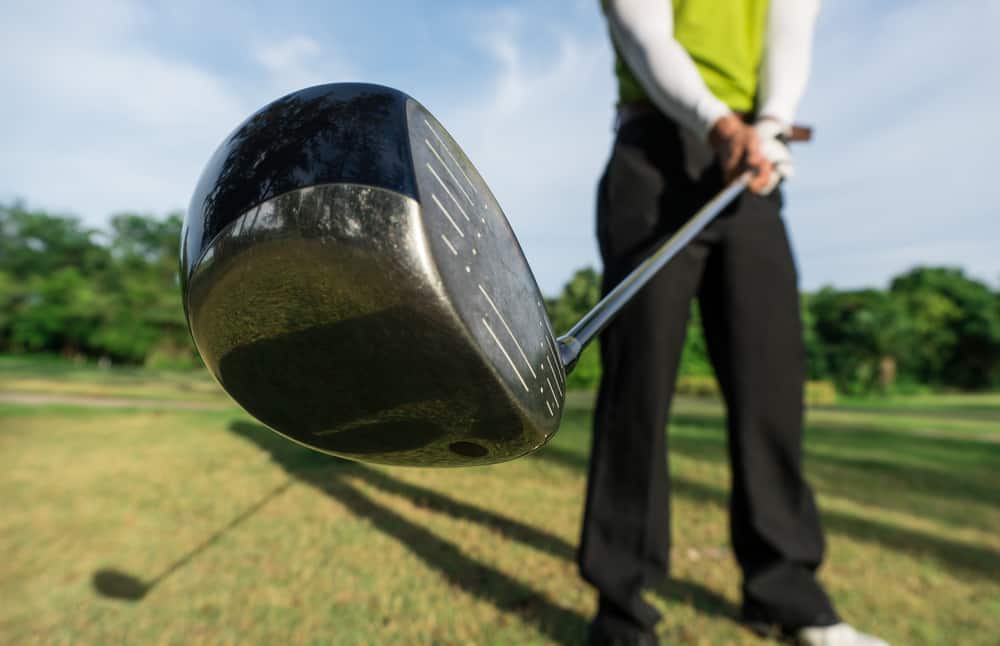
(484, 272)
(352, 282)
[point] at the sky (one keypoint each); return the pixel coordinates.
(116, 105)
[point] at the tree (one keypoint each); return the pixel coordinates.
(953, 327)
(68, 289)
(816, 361)
(35, 243)
(860, 335)
(59, 312)
(46, 263)
(694, 357)
(145, 314)
(578, 296)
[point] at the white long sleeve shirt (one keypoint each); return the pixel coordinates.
(643, 31)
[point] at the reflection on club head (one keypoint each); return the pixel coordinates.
(114, 584)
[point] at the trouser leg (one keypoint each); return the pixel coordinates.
(625, 541)
(626, 532)
(750, 310)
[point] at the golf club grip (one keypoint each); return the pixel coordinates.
(800, 134)
(600, 316)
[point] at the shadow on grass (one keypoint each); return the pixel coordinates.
(333, 477)
(330, 475)
(689, 593)
(973, 561)
(506, 527)
(874, 468)
(115, 584)
(702, 599)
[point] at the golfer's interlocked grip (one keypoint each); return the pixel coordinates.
(483, 268)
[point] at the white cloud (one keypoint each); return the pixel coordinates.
(98, 120)
(901, 171)
(289, 53)
(102, 123)
(299, 61)
(540, 135)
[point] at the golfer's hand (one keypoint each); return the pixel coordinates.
(739, 149)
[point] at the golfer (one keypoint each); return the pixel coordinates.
(707, 89)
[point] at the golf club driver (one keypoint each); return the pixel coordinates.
(350, 280)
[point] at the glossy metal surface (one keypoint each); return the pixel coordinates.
(370, 299)
(347, 132)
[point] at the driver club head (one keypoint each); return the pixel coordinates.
(350, 280)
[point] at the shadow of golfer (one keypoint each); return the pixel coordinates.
(333, 477)
(970, 560)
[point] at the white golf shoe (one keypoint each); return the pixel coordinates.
(836, 635)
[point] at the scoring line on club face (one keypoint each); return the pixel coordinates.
(451, 157)
(505, 354)
(509, 331)
(550, 389)
(448, 244)
(450, 174)
(556, 374)
(445, 186)
(447, 215)
(555, 357)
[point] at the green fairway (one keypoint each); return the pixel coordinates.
(220, 531)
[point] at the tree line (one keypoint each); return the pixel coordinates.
(79, 292)
(934, 328)
(113, 295)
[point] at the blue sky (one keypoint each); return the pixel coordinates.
(116, 105)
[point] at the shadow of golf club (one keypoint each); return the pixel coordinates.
(334, 477)
(115, 584)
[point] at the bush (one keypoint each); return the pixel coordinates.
(170, 355)
(587, 374)
(817, 393)
(698, 386)
(820, 393)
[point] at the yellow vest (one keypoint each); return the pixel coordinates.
(725, 39)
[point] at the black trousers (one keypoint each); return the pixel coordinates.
(742, 271)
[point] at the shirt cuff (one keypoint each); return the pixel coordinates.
(780, 113)
(709, 111)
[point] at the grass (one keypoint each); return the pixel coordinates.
(222, 532)
(57, 377)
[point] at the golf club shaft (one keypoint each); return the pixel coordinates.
(593, 322)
